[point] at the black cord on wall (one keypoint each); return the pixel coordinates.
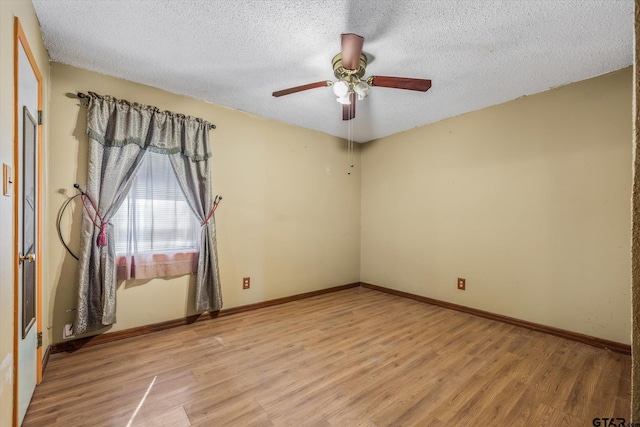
(60, 214)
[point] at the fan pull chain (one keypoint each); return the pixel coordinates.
(351, 127)
(350, 146)
(349, 157)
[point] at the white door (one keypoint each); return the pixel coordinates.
(28, 357)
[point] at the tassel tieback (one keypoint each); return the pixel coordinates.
(216, 202)
(102, 236)
(102, 225)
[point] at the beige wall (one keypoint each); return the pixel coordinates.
(290, 217)
(528, 200)
(23, 9)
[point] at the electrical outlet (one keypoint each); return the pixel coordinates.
(246, 282)
(68, 331)
(461, 284)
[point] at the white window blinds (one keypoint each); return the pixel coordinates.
(155, 217)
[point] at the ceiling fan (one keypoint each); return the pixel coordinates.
(349, 67)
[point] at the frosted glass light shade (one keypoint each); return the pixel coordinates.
(341, 89)
(362, 89)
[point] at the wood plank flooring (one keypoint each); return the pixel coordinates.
(357, 357)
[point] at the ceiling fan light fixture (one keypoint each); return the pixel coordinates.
(344, 100)
(341, 89)
(362, 89)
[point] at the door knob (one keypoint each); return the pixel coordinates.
(30, 257)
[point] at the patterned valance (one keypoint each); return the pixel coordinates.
(148, 127)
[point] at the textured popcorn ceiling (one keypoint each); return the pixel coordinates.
(236, 53)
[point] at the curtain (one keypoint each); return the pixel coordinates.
(120, 134)
(193, 178)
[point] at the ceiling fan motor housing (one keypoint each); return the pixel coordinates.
(344, 74)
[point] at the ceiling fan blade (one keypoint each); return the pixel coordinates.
(301, 88)
(351, 50)
(421, 85)
(349, 110)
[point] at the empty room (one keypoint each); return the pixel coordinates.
(319, 213)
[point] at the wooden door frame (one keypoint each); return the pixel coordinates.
(20, 39)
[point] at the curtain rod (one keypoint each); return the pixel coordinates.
(85, 96)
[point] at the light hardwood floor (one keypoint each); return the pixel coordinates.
(357, 357)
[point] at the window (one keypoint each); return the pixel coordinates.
(156, 233)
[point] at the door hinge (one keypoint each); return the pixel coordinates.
(39, 117)
(39, 339)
